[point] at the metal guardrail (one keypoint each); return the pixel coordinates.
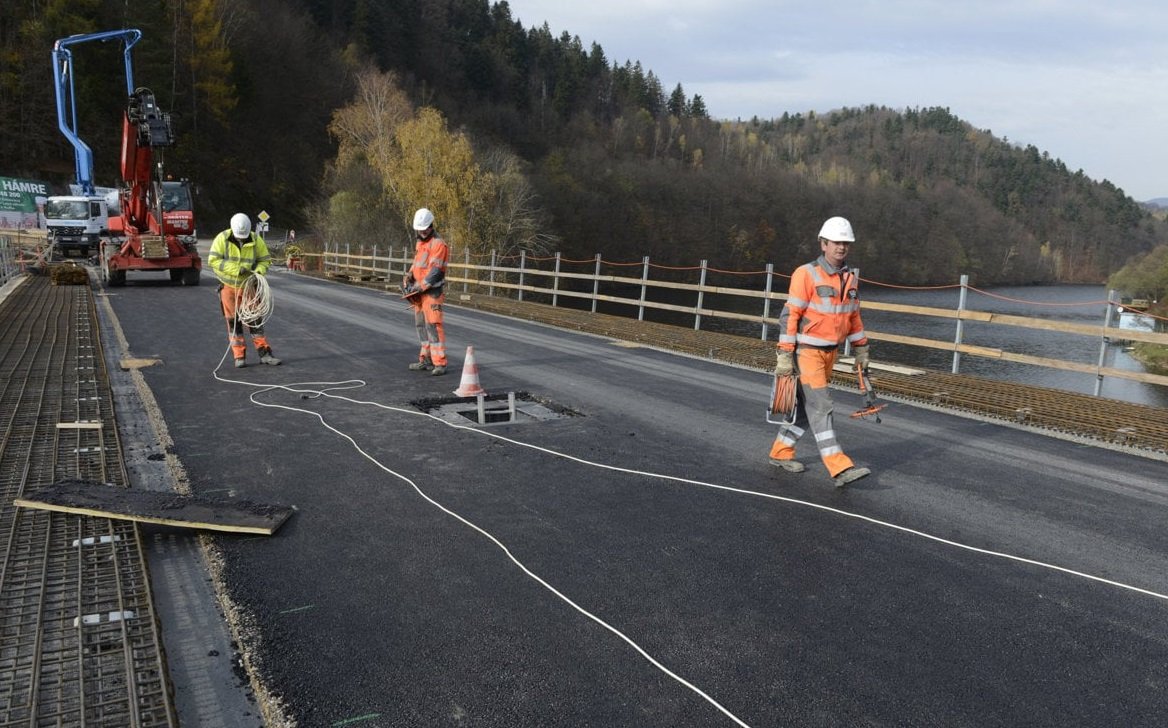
(590, 286)
(19, 249)
(10, 268)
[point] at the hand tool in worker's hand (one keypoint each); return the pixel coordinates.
(871, 406)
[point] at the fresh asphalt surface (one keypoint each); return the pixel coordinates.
(921, 595)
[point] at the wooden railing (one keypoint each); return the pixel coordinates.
(525, 278)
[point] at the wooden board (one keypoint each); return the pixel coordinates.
(148, 506)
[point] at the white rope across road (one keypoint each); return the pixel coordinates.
(306, 390)
(325, 390)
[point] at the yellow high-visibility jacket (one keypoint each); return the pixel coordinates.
(228, 258)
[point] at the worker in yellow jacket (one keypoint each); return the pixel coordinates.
(821, 313)
(236, 255)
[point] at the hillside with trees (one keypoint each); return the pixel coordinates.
(341, 117)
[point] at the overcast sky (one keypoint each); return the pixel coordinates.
(1084, 81)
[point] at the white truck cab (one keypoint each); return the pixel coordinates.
(76, 223)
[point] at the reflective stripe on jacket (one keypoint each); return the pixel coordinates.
(822, 309)
(430, 258)
(227, 257)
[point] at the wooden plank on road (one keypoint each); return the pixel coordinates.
(88, 498)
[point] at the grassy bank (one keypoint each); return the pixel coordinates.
(1152, 356)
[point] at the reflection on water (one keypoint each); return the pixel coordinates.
(1079, 304)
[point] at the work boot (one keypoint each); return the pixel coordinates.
(850, 476)
(266, 356)
(438, 371)
(421, 366)
(240, 363)
(791, 466)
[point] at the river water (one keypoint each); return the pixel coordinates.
(1078, 304)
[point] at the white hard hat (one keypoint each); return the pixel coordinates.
(423, 219)
(240, 225)
(837, 229)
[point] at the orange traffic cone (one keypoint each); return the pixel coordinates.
(469, 386)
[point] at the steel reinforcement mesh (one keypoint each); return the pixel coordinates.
(79, 642)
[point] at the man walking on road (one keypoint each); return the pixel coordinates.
(424, 287)
(821, 313)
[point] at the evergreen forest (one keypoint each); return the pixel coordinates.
(340, 117)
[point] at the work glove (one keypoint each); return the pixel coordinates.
(784, 363)
(861, 356)
(244, 270)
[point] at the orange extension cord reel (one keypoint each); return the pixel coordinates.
(784, 402)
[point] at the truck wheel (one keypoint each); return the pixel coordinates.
(117, 278)
(190, 277)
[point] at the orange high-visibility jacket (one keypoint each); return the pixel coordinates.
(822, 309)
(429, 268)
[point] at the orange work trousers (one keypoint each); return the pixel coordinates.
(815, 410)
(229, 300)
(428, 322)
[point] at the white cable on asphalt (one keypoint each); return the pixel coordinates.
(357, 383)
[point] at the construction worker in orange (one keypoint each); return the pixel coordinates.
(424, 288)
(821, 313)
(238, 254)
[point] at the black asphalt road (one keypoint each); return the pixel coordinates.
(983, 576)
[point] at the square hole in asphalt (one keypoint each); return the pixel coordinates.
(511, 408)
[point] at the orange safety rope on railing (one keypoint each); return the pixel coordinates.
(1152, 315)
(1037, 303)
(738, 272)
(674, 267)
(871, 282)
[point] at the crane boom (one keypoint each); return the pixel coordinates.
(66, 98)
(154, 226)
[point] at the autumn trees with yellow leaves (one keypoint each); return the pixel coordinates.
(393, 158)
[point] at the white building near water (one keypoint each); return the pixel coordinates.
(1134, 319)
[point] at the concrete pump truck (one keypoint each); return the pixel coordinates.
(151, 226)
